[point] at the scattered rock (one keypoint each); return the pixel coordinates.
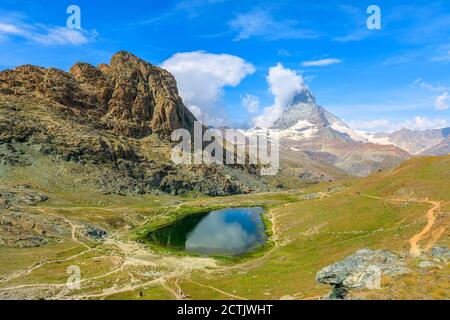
(361, 270)
(335, 189)
(440, 252)
(426, 265)
(25, 230)
(312, 196)
(5, 204)
(96, 233)
(30, 242)
(16, 196)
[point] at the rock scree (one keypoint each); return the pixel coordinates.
(360, 270)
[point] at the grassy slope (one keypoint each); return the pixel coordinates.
(310, 233)
(316, 233)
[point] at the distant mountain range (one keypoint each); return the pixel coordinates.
(416, 142)
(113, 122)
(310, 133)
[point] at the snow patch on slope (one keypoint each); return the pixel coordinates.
(302, 130)
(342, 128)
(376, 138)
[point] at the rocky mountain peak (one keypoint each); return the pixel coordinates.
(305, 96)
(308, 119)
(129, 96)
(302, 108)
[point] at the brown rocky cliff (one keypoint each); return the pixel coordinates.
(129, 96)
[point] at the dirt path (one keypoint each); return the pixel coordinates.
(275, 237)
(431, 215)
(218, 290)
(415, 250)
(72, 226)
(178, 294)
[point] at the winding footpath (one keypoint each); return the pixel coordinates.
(431, 216)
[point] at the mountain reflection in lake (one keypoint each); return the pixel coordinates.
(221, 232)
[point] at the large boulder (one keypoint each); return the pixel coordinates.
(360, 270)
(440, 252)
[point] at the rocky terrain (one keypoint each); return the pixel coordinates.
(384, 236)
(363, 269)
(85, 171)
(114, 121)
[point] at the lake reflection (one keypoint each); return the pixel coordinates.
(228, 231)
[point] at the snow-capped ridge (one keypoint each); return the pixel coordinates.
(303, 118)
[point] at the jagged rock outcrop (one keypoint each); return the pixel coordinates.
(26, 230)
(361, 270)
(19, 195)
(114, 121)
(129, 96)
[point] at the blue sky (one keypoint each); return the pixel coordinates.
(222, 51)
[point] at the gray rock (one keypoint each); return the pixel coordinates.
(440, 252)
(361, 270)
(427, 265)
(312, 196)
(96, 233)
(19, 196)
(27, 230)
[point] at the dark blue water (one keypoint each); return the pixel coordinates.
(221, 232)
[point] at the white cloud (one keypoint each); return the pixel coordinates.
(383, 125)
(424, 123)
(427, 86)
(284, 84)
(442, 101)
(62, 36)
(321, 62)
(261, 24)
(370, 125)
(355, 29)
(403, 58)
(442, 57)
(358, 35)
(7, 28)
(46, 35)
(284, 53)
(250, 103)
(201, 79)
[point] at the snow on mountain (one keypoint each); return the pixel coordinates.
(377, 138)
(343, 128)
(310, 133)
(413, 141)
(304, 119)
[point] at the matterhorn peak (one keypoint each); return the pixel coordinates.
(305, 96)
(303, 118)
(302, 108)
